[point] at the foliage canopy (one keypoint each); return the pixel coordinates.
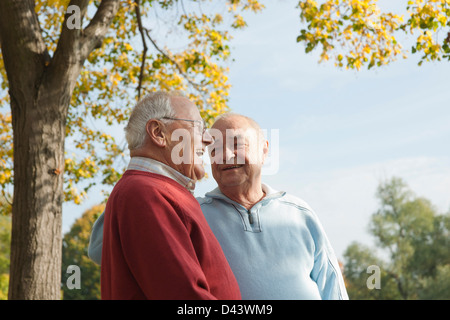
(357, 33)
(151, 45)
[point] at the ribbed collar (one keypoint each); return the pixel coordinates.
(270, 194)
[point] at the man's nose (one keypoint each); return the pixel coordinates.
(229, 153)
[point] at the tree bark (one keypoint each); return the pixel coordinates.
(39, 132)
(40, 89)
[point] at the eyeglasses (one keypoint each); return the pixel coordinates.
(201, 123)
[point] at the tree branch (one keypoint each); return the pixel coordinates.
(24, 51)
(144, 43)
(75, 44)
(68, 40)
(180, 70)
(96, 30)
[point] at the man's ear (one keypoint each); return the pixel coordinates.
(156, 133)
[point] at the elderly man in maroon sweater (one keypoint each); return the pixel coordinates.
(156, 241)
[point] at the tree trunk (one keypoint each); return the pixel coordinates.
(39, 132)
(40, 88)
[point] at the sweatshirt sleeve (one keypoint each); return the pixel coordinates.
(158, 249)
(96, 240)
(326, 271)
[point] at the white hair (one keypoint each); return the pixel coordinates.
(155, 105)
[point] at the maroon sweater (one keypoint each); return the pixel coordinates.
(158, 245)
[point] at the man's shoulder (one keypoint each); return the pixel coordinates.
(135, 179)
(286, 198)
(204, 200)
(140, 191)
(295, 201)
(143, 186)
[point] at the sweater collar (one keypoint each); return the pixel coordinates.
(270, 194)
(153, 166)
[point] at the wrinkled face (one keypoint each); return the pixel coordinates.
(238, 152)
(187, 139)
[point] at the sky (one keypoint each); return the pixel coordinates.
(335, 134)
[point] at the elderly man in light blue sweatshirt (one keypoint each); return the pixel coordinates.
(273, 241)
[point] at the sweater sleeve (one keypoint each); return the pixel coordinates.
(326, 271)
(158, 249)
(328, 277)
(96, 240)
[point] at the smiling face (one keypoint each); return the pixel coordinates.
(187, 141)
(237, 154)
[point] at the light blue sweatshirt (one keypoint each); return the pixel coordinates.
(277, 250)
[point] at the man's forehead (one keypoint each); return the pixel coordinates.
(240, 132)
(182, 105)
(233, 122)
(235, 126)
(233, 134)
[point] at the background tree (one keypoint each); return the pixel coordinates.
(356, 33)
(74, 252)
(357, 259)
(414, 237)
(73, 73)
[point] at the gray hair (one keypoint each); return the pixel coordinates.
(155, 105)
